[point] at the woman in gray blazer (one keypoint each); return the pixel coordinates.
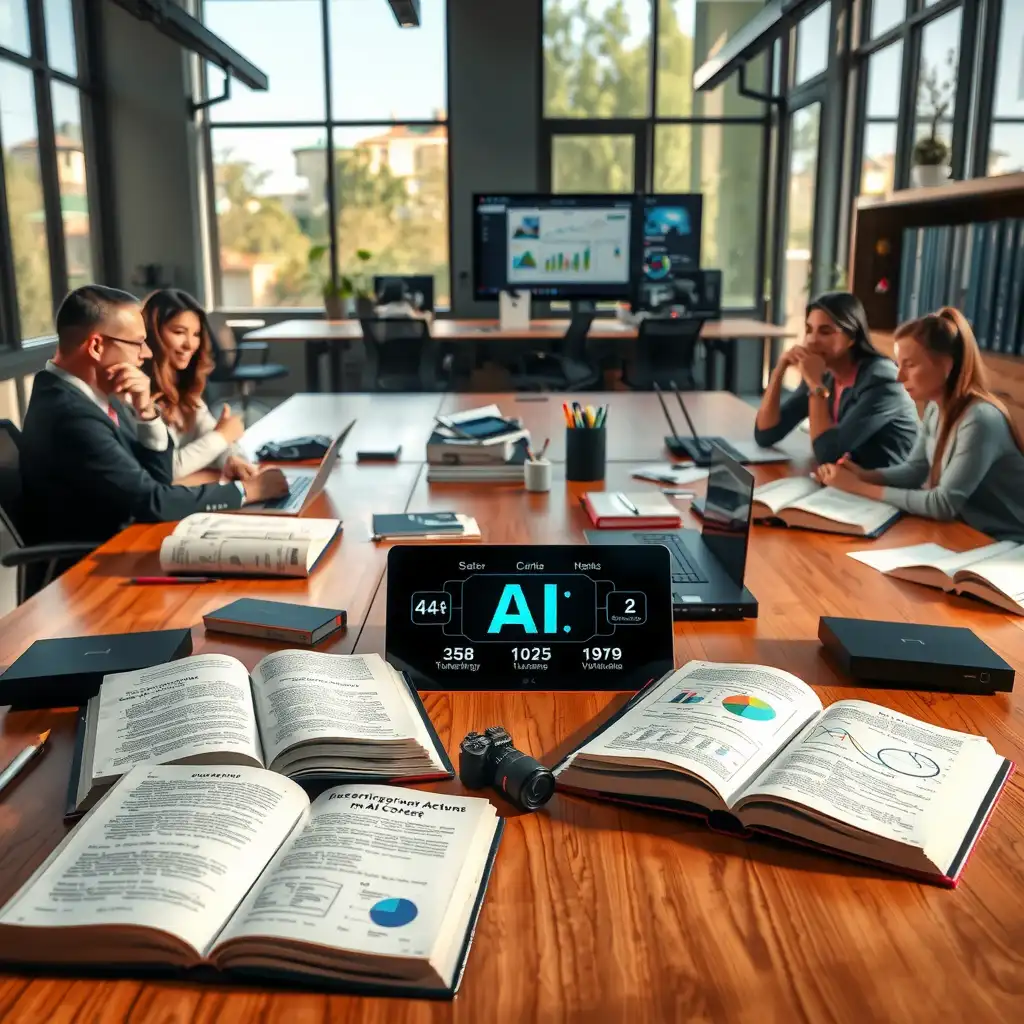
(968, 462)
(849, 391)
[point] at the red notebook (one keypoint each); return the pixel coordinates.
(619, 510)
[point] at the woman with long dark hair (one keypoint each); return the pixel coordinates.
(178, 335)
(849, 390)
(968, 462)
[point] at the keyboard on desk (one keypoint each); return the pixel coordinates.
(297, 488)
(683, 570)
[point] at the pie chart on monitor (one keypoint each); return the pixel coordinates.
(749, 707)
(658, 266)
(393, 913)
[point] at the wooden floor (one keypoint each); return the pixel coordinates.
(595, 913)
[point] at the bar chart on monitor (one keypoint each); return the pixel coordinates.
(579, 245)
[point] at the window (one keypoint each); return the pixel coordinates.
(376, 124)
(886, 14)
(1006, 142)
(805, 128)
(621, 116)
(936, 80)
(813, 44)
(878, 151)
(47, 238)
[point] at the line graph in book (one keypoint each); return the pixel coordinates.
(903, 761)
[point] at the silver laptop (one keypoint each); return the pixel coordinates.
(303, 484)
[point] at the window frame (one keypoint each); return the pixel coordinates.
(643, 129)
(328, 125)
(43, 76)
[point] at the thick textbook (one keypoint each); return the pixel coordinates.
(306, 715)
(751, 749)
(993, 573)
(232, 868)
(424, 527)
(276, 620)
(803, 502)
(216, 545)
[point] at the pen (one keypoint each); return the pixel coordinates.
(454, 429)
(602, 415)
(13, 770)
(591, 417)
(173, 579)
(625, 501)
(543, 450)
(568, 415)
(679, 494)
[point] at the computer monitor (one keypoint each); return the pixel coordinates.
(416, 289)
(555, 247)
(728, 510)
(667, 243)
(690, 293)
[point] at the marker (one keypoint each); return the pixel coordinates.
(159, 580)
(13, 770)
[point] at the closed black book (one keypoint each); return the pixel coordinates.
(276, 620)
(1014, 318)
(1000, 313)
(987, 284)
(66, 672)
(979, 236)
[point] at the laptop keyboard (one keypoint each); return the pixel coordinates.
(683, 570)
(297, 488)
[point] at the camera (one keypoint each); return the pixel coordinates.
(489, 759)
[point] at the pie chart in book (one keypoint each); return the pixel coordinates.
(393, 913)
(749, 707)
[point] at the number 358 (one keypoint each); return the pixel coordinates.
(458, 654)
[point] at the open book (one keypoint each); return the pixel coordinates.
(212, 544)
(306, 715)
(801, 501)
(751, 747)
(367, 887)
(995, 573)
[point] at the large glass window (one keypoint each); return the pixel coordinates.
(376, 124)
(886, 14)
(936, 83)
(812, 44)
(1006, 142)
(881, 123)
(603, 136)
(46, 241)
(805, 130)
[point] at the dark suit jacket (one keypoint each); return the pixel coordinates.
(877, 424)
(85, 477)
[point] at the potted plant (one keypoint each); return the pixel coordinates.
(360, 284)
(335, 290)
(934, 98)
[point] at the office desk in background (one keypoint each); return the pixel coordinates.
(594, 912)
(333, 336)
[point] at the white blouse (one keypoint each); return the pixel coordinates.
(201, 446)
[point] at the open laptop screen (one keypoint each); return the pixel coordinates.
(727, 513)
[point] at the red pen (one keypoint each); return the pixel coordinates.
(173, 579)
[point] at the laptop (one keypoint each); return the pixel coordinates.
(699, 449)
(304, 485)
(707, 565)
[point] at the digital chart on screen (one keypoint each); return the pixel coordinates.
(578, 245)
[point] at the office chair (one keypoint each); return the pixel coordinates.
(401, 355)
(228, 367)
(567, 368)
(666, 350)
(37, 564)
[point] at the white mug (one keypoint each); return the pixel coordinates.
(537, 475)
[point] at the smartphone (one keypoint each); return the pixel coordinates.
(390, 454)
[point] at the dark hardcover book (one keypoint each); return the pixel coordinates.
(959, 264)
(987, 284)
(415, 524)
(915, 290)
(1002, 290)
(978, 238)
(66, 672)
(276, 620)
(1014, 318)
(924, 290)
(908, 257)
(940, 272)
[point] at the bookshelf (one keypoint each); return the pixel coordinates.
(876, 254)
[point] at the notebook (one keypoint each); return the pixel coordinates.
(612, 510)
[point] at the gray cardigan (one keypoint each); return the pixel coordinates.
(877, 423)
(982, 480)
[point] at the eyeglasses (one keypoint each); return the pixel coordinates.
(123, 341)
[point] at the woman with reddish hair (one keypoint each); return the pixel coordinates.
(178, 335)
(968, 462)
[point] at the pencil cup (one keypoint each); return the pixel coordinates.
(537, 475)
(584, 453)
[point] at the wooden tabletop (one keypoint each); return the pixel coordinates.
(488, 330)
(595, 912)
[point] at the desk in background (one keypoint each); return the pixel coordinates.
(334, 336)
(594, 911)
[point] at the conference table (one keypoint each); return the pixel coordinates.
(334, 336)
(594, 911)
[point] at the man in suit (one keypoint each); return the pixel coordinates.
(95, 454)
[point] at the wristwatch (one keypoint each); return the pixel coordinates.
(820, 391)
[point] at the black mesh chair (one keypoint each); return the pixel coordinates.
(401, 355)
(37, 564)
(567, 368)
(666, 350)
(228, 365)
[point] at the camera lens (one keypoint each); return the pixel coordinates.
(523, 779)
